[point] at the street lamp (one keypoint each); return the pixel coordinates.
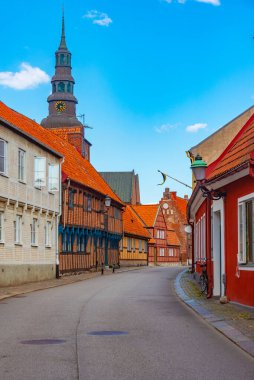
(198, 168)
(107, 202)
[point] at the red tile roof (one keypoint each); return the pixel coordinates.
(75, 166)
(172, 238)
(181, 203)
(147, 213)
(237, 153)
(132, 224)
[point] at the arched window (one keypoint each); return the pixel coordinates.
(62, 59)
(61, 87)
(68, 87)
(68, 59)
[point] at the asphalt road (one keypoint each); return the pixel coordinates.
(127, 326)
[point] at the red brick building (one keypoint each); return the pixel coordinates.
(164, 247)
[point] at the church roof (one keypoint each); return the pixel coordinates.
(132, 224)
(121, 183)
(74, 167)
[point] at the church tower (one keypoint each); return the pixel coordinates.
(62, 118)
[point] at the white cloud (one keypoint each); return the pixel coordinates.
(193, 128)
(28, 77)
(99, 18)
(164, 128)
(212, 2)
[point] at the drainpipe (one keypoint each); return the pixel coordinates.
(192, 246)
(58, 218)
(208, 248)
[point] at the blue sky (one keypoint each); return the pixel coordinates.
(154, 77)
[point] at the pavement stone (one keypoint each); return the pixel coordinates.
(234, 321)
(15, 291)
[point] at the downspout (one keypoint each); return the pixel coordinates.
(58, 218)
(208, 248)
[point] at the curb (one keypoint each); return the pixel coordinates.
(65, 281)
(223, 327)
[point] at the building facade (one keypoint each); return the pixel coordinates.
(223, 228)
(29, 202)
(134, 245)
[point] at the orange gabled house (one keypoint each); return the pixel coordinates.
(160, 250)
(134, 245)
(89, 231)
(224, 228)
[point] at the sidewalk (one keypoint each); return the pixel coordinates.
(234, 321)
(15, 291)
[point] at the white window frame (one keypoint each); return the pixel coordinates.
(160, 234)
(162, 252)
(121, 245)
(128, 244)
(53, 177)
(48, 233)
(34, 232)
(39, 172)
(145, 246)
(171, 252)
(4, 157)
(1, 227)
(241, 212)
(140, 246)
(21, 165)
(18, 229)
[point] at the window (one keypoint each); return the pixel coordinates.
(89, 203)
(53, 184)
(171, 252)
(140, 243)
(162, 252)
(133, 245)
(160, 234)
(39, 172)
(145, 247)
(121, 245)
(21, 165)
(54, 88)
(1, 227)
(62, 59)
(68, 87)
(71, 198)
(246, 232)
(128, 244)
(34, 227)
(17, 229)
(61, 87)
(3, 156)
(117, 213)
(48, 234)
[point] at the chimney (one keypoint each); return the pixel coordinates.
(186, 197)
(166, 194)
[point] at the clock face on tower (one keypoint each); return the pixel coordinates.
(165, 206)
(60, 106)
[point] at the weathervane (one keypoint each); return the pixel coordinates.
(82, 117)
(164, 176)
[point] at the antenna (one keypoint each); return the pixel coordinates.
(82, 117)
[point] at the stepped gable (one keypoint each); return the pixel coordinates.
(132, 225)
(74, 167)
(238, 152)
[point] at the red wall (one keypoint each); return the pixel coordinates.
(237, 289)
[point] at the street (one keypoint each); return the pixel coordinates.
(124, 326)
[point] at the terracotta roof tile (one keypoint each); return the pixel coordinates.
(147, 213)
(237, 152)
(182, 206)
(172, 238)
(75, 166)
(132, 224)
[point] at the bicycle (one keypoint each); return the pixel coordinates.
(203, 280)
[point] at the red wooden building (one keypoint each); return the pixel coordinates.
(164, 247)
(224, 228)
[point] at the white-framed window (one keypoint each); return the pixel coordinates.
(21, 164)
(246, 230)
(1, 227)
(140, 245)
(128, 244)
(145, 246)
(3, 156)
(34, 232)
(171, 251)
(53, 177)
(18, 229)
(48, 234)
(39, 172)
(121, 245)
(162, 251)
(160, 234)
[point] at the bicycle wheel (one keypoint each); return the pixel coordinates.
(203, 284)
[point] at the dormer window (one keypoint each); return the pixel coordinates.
(62, 59)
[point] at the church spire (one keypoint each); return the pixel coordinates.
(62, 45)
